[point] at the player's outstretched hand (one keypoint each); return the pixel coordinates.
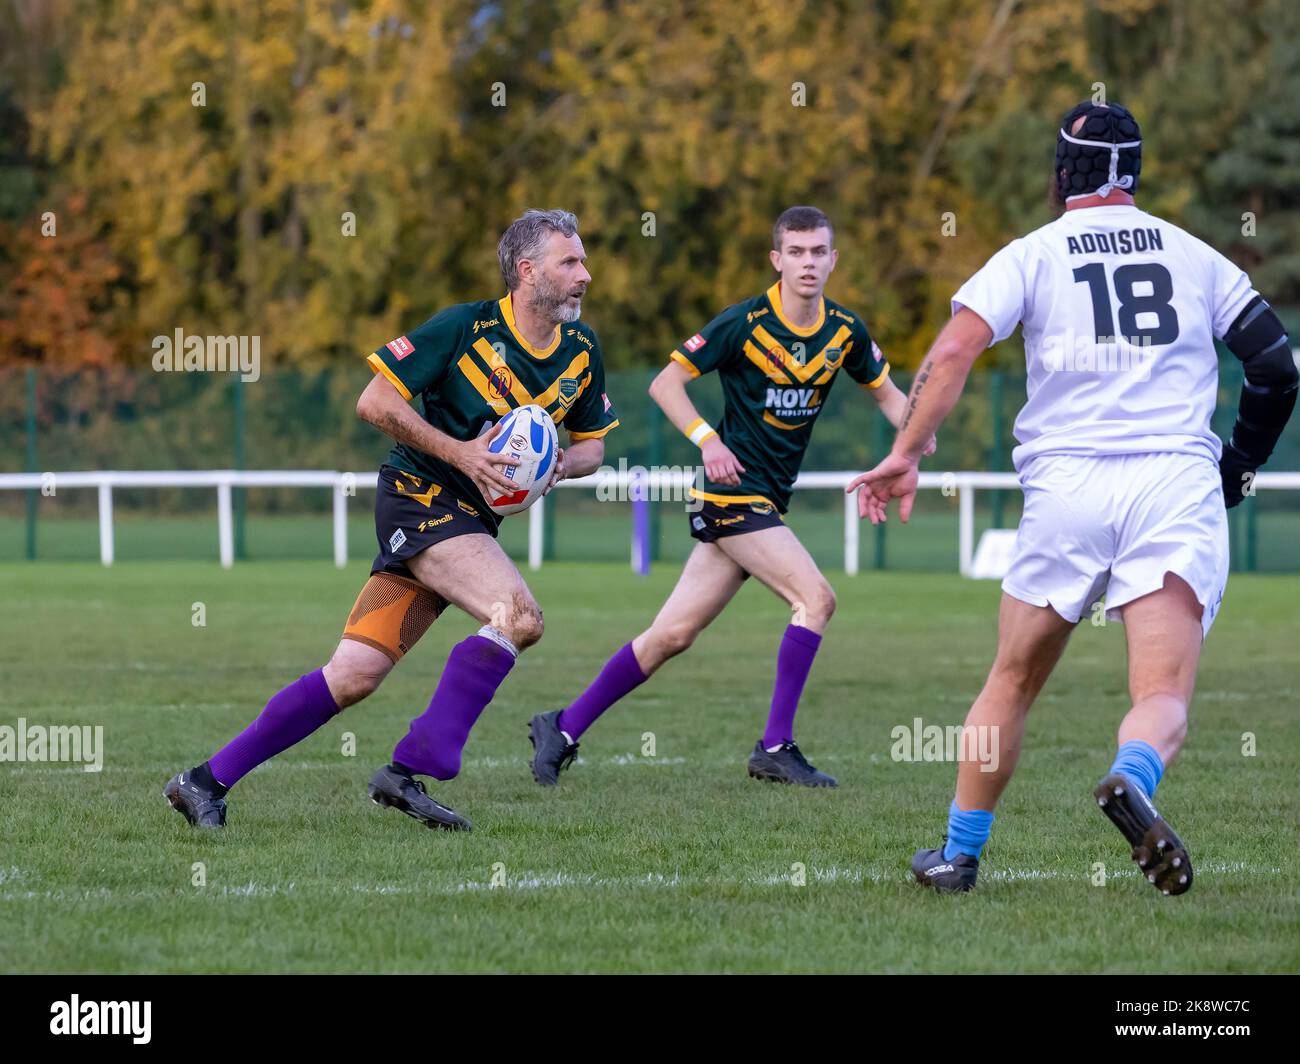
(719, 463)
(894, 478)
(486, 469)
(558, 473)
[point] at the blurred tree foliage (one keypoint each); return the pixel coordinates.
(206, 163)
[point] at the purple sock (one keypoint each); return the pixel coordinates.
(474, 671)
(620, 675)
(290, 716)
(793, 662)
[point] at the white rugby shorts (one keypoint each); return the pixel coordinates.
(1115, 525)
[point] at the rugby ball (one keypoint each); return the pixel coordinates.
(527, 433)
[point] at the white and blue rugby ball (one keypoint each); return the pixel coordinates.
(527, 433)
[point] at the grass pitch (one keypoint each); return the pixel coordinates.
(676, 862)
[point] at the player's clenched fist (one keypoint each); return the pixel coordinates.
(486, 469)
(719, 463)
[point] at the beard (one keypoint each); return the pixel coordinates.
(553, 302)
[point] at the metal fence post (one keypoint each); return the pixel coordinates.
(656, 459)
(995, 445)
(32, 494)
(882, 449)
(1252, 533)
(240, 494)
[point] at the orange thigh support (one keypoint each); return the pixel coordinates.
(391, 614)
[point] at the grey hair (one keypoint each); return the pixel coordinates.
(526, 238)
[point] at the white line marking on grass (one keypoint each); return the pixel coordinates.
(161, 770)
(540, 881)
(637, 759)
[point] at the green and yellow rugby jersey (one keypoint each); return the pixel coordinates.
(775, 379)
(471, 366)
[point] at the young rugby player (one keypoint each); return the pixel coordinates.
(1125, 484)
(470, 364)
(778, 355)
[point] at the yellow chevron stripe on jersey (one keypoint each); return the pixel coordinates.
(769, 419)
(576, 368)
(841, 334)
(804, 372)
(494, 362)
(760, 359)
(774, 347)
(830, 372)
(480, 384)
(558, 416)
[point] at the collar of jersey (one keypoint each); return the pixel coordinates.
(1087, 211)
(508, 316)
(774, 297)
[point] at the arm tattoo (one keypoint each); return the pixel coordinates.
(922, 376)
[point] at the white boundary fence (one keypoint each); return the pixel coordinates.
(662, 485)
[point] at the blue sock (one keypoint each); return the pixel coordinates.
(1139, 761)
(968, 831)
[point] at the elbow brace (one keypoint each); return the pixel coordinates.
(1268, 394)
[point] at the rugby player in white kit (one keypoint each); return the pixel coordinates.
(1125, 485)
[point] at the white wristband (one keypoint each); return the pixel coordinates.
(698, 431)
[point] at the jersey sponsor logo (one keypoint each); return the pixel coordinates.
(876, 353)
(697, 523)
(605, 399)
(396, 539)
(467, 507)
(755, 314)
(762, 508)
(401, 347)
(833, 356)
(840, 314)
(434, 522)
(579, 337)
(500, 383)
(567, 389)
(695, 343)
(795, 402)
(486, 324)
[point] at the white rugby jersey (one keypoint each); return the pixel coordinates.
(1120, 311)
